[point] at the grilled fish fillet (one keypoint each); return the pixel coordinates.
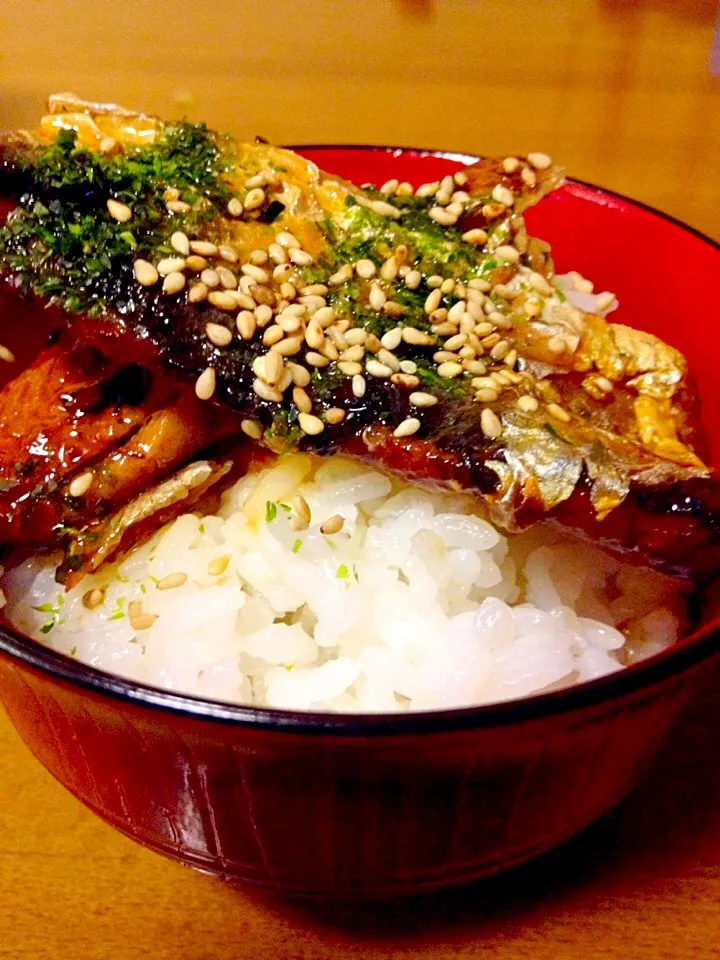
(422, 328)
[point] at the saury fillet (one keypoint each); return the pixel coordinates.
(208, 289)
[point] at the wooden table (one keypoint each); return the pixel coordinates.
(620, 91)
(644, 884)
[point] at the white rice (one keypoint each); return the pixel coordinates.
(418, 603)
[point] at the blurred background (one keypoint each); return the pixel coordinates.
(620, 91)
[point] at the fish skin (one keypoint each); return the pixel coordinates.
(623, 471)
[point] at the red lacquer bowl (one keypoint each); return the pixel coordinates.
(341, 806)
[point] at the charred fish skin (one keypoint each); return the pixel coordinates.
(382, 321)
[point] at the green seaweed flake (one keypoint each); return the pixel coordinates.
(63, 243)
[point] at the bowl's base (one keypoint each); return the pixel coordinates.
(379, 889)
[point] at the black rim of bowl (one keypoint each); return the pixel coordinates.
(672, 662)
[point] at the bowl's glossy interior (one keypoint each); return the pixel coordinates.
(663, 273)
(333, 805)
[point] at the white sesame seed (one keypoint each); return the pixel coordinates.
(476, 237)
(389, 359)
(172, 581)
(499, 351)
(287, 240)
(256, 273)
(255, 198)
(422, 399)
(197, 293)
(541, 161)
(355, 352)
(258, 180)
(454, 343)
(390, 186)
(273, 367)
(178, 206)
(93, 598)
(427, 189)
(558, 413)
(527, 404)
(442, 216)
(432, 301)
(277, 253)
(312, 302)
(170, 265)
(392, 339)
(272, 335)
(377, 369)
(218, 334)
(301, 258)
(474, 367)
(329, 350)
(173, 283)
(341, 276)
(266, 392)
(204, 248)
(252, 429)
(227, 278)
(180, 243)
(235, 207)
(407, 428)
(324, 316)
(413, 280)
(358, 385)
(350, 368)
(80, 485)
(314, 334)
(389, 269)
(355, 335)
(316, 359)
(310, 424)
(119, 211)
(377, 297)
(145, 273)
(449, 369)
(510, 164)
(408, 366)
(539, 283)
(490, 424)
(502, 195)
(290, 346)
(417, 338)
(507, 253)
(384, 209)
(6, 354)
(245, 324)
(300, 375)
(205, 384)
(365, 269)
(223, 300)
(241, 300)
